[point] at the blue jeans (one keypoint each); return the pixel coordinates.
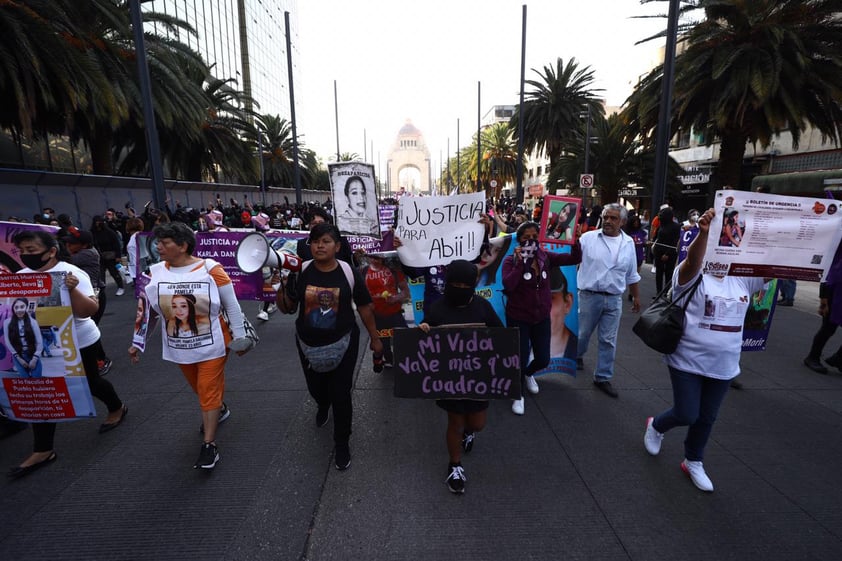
(534, 337)
(602, 311)
(787, 290)
(26, 372)
(696, 401)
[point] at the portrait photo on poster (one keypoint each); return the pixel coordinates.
(355, 198)
(558, 220)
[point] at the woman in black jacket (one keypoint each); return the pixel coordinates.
(665, 247)
(107, 243)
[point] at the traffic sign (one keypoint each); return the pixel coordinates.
(493, 183)
(586, 180)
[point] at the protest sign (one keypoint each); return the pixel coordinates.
(46, 381)
(355, 198)
(457, 362)
(564, 317)
(558, 220)
(762, 235)
(437, 230)
(758, 320)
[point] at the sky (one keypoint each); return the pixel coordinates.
(394, 60)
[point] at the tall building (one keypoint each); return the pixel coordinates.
(244, 40)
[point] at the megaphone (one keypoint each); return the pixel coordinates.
(255, 252)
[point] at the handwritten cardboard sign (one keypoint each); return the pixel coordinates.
(457, 363)
(437, 230)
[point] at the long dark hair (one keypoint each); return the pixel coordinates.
(13, 336)
(191, 316)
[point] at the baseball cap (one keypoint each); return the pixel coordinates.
(75, 235)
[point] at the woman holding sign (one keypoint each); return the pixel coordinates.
(707, 357)
(465, 417)
(526, 282)
(39, 254)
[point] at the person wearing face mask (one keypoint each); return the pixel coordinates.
(465, 417)
(38, 251)
(526, 282)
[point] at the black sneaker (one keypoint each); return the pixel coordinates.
(208, 456)
(468, 442)
(342, 456)
(224, 413)
(105, 366)
(322, 416)
(456, 478)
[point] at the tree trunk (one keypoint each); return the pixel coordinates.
(731, 159)
(100, 147)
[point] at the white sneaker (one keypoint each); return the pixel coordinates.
(697, 475)
(532, 385)
(272, 309)
(517, 406)
(652, 438)
(263, 315)
(120, 292)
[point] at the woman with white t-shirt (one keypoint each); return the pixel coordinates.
(39, 253)
(707, 357)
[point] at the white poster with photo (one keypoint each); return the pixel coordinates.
(46, 380)
(774, 236)
(355, 198)
(437, 230)
(185, 307)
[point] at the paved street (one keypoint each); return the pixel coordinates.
(569, 480)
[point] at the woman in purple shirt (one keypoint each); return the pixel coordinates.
(526, 283)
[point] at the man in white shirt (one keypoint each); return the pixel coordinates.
(609, 266)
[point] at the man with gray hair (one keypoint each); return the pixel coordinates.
(609, 266)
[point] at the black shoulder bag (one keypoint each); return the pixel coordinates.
(661, 325)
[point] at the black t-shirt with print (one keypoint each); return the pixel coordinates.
(325, 313)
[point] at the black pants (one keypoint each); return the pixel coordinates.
(825, 332)
(663, 270)
(44, 433)
(103, 301)
(111, 266)
(334, 388)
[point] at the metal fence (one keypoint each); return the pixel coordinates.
(24, 193)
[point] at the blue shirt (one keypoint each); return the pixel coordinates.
(600, 270)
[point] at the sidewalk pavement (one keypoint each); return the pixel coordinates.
(568, 480)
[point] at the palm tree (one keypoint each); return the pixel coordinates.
(551, 110)
(45, 75)
(750, 71)
(616, 159)
(217, 148)
(278, 158)
(499, 155)
(349, 157)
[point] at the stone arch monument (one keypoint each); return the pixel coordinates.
(409, 162)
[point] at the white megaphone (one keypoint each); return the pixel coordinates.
(255, 252)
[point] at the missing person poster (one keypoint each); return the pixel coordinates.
(355, 198)
(763, 235)
(558, 220)
(45, 379)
